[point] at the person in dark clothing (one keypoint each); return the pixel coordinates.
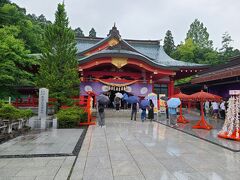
(151, 110)
(117, 101)
(167, 115)
(101, 121)
(143, 114)
(134, 111)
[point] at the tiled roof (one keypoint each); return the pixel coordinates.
(124, 53)
(152, 50)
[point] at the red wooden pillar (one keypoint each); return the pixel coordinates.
(171, 87)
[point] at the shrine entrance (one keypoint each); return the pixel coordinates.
(112, 95)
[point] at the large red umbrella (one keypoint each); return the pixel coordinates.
(202, 97)
(183, 97)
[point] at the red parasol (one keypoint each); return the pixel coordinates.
(202, 97)
(183, 97)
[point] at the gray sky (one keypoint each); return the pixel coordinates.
(146, 19)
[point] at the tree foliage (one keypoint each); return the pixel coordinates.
(14, 61)
(227, 49)
(190, 52)
(58, 66)
(92, 33)
(168, 43)
(198, 33)
(30, 26)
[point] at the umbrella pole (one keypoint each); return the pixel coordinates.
(181, 118)
(202, 124)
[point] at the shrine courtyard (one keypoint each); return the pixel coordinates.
(124, 150)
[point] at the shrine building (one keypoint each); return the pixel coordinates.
(138, 67)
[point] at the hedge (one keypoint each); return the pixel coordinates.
(70, 118)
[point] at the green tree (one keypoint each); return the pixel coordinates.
(30, 30)
(198, 33)
(190, 52)
(186, 51)
(227, 49)
(92, 33)
(226, 42)
(14, 62)
(168, 43)
(78, 32)
(58, 66)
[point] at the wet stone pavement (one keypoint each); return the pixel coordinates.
(131, 150)
(211, 135)
(55, 141)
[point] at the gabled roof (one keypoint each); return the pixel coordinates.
(222, 71)
(149, 49)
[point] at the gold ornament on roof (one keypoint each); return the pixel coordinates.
(113, 42)
(119, 62)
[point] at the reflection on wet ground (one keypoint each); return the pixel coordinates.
(135, 150)
(208, 135)
(54, 141)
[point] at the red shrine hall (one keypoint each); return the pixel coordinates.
(138, 67)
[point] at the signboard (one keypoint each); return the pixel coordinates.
(154, 98)
(234, 92)
(162, 106)
(42, 106)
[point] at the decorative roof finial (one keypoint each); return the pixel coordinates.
(114, 31)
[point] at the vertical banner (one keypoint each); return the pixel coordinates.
(162, 106)
(154, 98)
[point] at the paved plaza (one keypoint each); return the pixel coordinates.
(211, 135)
(55, 141)
(130, 150)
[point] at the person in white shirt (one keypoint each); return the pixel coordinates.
(222, 110)
(215, 109)
(206, 107)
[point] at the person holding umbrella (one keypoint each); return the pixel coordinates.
(134, 111)
(151, 110)
(117, 102)
(134, 101)
(144, 105)
(102, 100)
(173, 103)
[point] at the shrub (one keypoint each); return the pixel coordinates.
(26, 114)
(70, 118)
(11, 113)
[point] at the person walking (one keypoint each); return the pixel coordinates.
(166, 106)
(206, 107)
(134, 111)
(222, 110)
(151, 110)
(117, 102)
(215, 110)
(143, 114)
(173, 116)
(101, 119)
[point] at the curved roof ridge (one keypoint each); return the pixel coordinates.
(135, 49)
(163, 57)
(124, 53)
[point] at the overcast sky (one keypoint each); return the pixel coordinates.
(146, 19)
